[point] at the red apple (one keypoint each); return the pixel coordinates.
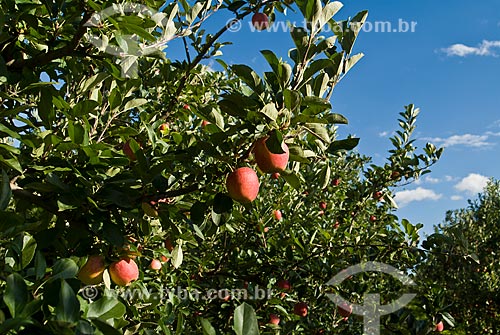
(321, 213)
(344, 309)
(186, 107)
(284, 285)
(274, 319)
(164, 259)
(300, 309)
(155, 265)
(336, 182)
(377, 195)
(275, 175)
(336, 225)
(266, 160)
(373, 218)
(243, 185)
(91, 272)
(124, 271)
(395, 175)
(439, 326)
(204, 123)
(322, 205)
(260, 21)
(127, 150)
(277, 214)
(163, 127)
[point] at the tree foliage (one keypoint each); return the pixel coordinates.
(125, 155)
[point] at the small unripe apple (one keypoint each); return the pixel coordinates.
(277, 214)
(274, 319)
(300, 309)
(440, 326)
(322, 205)
(164, 127)
(344, 309)
(164, 259)
(260, 21)
(155, 264)
(275, 175)
(284, 284)
(266, 160)
(124, 271)
(377, 195)
(336, 182)
(373, 218)
(265, 229)
(91, 272)
(243, 185)
(127, 150)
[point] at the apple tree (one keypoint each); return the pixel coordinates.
(117, 212)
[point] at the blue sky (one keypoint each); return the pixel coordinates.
(449, 67)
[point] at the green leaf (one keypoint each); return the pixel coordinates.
(28, 250)
(177, 256)
(222, 203)
(207, 327)
(198, 211)
(275, 142)
(5, 191)
(64, 268)
(297, 154)
(68, 307)
(134, 103)
(292, 100)
(16, 294)
(318, 130)
(448, 318)
(346, 144)
(248, 76)
(245, 320)
(335, 118)
(292, 180)
(270, 111)
(106, 308)
(271, 59)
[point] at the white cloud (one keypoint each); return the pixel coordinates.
(431, 180)
(403, 198)
(472, 184)
(383, 133)
(456, 197)
(485, 48)
(449, 178)
(468, 140)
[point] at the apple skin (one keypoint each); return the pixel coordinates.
(163, 259)
(164, 127)
(277, 214)
(300, 309)
(322, 205)
(91, 272)
(284, 284)
(275, 175)
(344, 309)
(378, 195)
(127, 150)
(124, 271)
(260, 21)
(336, 182)
(373, 218)
(440, 326)
(186, 107)
(336, 225)
(274, 319)
(243, 185)
(204, 123)
(155, 265)
(266, 160)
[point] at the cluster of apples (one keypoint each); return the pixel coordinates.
(122, 272)
(243, 183)
(301, 308)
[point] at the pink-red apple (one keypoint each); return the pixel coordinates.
(243, 185)
(124, 271)
(91, 272)
(284, 284)
(155, 265)
(275, 175)
(322, 205)
(266, 160)
(373, 218)
(277, 214)
(344, 309)
(377, 195)
(440, 326)
(260, 21)
(336, 182)
(300, 309)
(274, 319)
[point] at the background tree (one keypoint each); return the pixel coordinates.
(120, 171)
(463, 260)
